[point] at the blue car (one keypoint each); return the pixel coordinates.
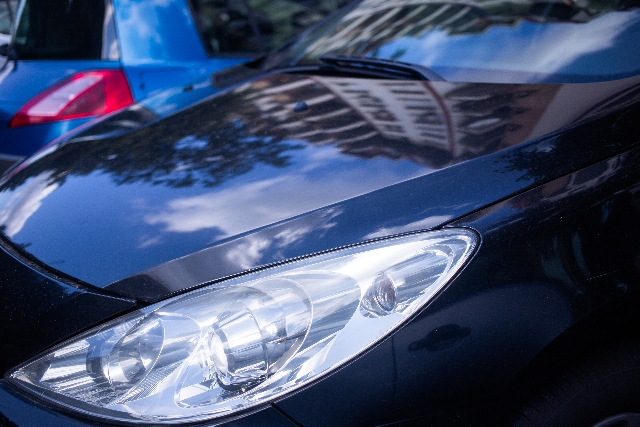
(70, 61)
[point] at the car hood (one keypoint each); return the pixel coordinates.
(289, 165)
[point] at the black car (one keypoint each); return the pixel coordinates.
(417, 214)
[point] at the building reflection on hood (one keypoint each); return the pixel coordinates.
(432, 124)
(246, 160)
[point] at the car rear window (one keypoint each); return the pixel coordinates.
(65, 29)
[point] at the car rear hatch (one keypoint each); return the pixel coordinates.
(54, 40)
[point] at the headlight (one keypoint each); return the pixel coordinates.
(244, 341)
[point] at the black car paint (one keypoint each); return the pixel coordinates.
(18, 410)
(45, 310)
(572, 282)
(118, 184)
(565, 225)
(422, 203)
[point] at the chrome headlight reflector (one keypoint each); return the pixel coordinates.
(242, 342)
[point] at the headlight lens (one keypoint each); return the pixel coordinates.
(244, 341)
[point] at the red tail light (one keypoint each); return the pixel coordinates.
(85, 94)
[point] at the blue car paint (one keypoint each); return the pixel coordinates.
(159, 48)
(150, 33)
(29, 138)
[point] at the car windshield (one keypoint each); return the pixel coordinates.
(519, 41)
(66, 29)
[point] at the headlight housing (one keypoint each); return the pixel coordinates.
(242, 342)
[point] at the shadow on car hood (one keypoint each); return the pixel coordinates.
(289, 165)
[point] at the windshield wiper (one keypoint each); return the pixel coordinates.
(385, 68)
(373, 68)
(330, 65)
